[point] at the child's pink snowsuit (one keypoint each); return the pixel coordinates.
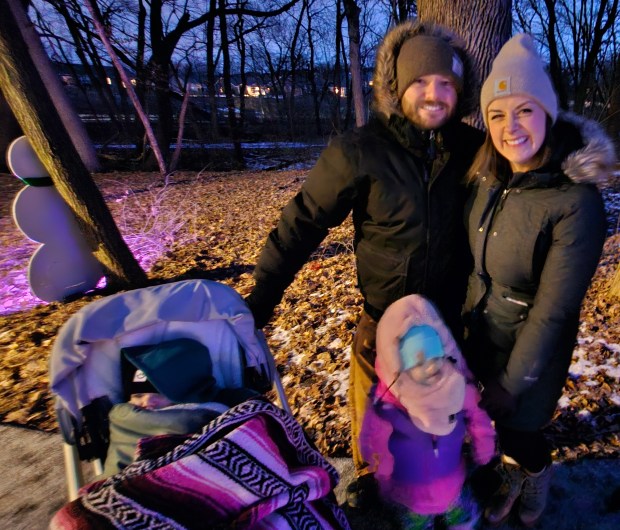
(413, 434)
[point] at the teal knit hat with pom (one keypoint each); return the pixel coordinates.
(418, 345)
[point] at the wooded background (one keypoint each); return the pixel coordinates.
(160, 77)
(296, 70)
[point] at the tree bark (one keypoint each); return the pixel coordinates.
(8, 131)
(70, 119)
(230, 100)
(24, 91)
(352, 12)
(485, 25)
(614, 286)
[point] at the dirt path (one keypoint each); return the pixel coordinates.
(33, 488)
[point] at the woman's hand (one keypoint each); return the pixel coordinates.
(497, 401)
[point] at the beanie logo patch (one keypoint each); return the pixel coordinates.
(457, 66)
(502, 87)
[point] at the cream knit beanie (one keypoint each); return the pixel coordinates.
(519, 70)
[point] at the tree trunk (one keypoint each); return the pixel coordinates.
(174, 161)
(70, 119)
(336, 121)
(485, 25)
(312, 75)
(8, 131)
(555, 64)
(352, 12)
(295, 57)
(614, 286)
(38, 118)
(230, 100)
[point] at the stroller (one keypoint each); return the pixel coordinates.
(194, 344)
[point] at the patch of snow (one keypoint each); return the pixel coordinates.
(336, 344)
(564, 401)
(581, 366)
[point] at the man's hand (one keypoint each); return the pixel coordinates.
(262, 301)
(497, 401)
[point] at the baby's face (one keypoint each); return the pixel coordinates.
(150, 401)
(427, 372)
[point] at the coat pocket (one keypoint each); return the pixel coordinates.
(504, 315)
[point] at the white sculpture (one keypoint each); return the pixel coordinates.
(63, 265)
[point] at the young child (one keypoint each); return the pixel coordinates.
(423, 408)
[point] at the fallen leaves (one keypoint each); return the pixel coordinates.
(228, 217)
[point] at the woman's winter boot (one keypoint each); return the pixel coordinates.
(534, 496)
(503, 499)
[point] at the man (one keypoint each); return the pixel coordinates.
(401, 176)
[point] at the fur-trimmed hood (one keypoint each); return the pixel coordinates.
(385, 98)
(594, 163)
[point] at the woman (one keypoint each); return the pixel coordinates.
(536, 225)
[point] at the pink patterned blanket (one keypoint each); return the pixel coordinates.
(252, 467)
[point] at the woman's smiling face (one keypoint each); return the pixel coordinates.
(518, 126)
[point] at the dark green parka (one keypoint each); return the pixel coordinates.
(404, 188)
(536, 241)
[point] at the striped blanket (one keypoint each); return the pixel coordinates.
(252, 467)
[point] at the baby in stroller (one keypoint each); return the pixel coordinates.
(169, 390)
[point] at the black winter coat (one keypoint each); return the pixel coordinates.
(536, 241)
(407, 198)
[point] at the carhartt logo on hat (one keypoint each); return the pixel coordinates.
(502, 87)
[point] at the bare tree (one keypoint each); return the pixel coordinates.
(211, 64)
(352, 13)
(60, 45)
(230, 101)
(316, 99)
(401, 10)
(579, 36)
(96, 16)
(168, 24)
(24, 91)
(70, 119)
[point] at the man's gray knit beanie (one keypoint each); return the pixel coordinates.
(423, 55)
(519, 70)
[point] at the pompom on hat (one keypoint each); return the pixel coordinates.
(427, 55)
(519, 70)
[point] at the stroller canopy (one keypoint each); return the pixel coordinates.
(85, 360)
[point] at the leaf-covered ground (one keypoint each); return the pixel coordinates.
(212, 225)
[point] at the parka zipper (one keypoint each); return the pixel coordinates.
(480, 250)
(427, 189)
(432, 153)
